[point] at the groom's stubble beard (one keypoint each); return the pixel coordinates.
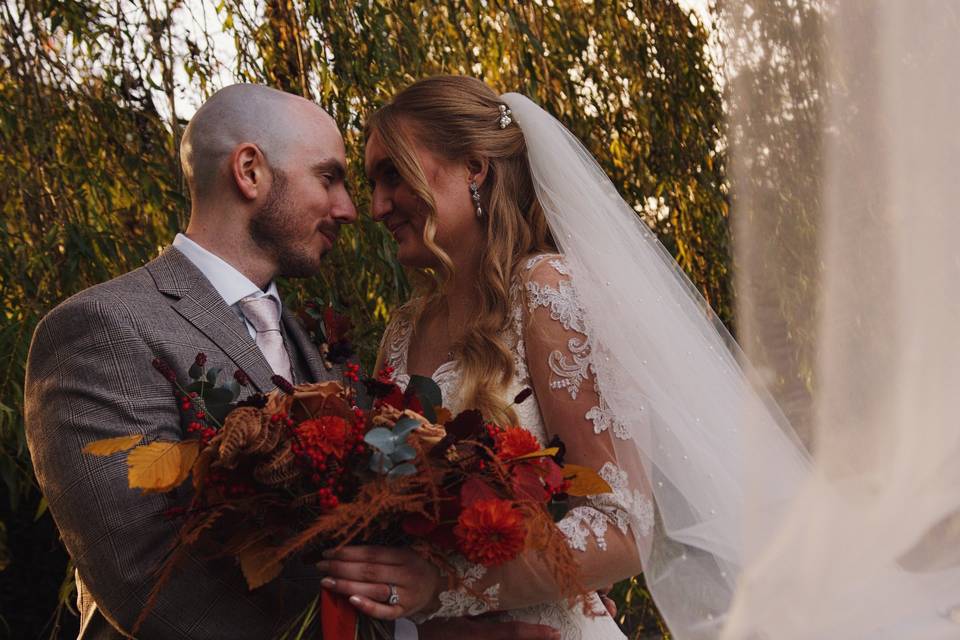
(273, 228)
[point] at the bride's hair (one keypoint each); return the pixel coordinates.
(457, 117)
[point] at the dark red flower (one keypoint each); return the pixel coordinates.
(324, 436)
(514, 442)
(490, 532)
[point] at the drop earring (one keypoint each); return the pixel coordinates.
(475, 194)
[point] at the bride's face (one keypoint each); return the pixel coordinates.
(395, 204)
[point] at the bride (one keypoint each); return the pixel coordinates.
(532, 272)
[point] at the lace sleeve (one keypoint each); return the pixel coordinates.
(561, 370)
(610, 530)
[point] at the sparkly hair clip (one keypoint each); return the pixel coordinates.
(505, 114)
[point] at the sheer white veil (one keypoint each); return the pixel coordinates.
(701, 438)
(855, 172)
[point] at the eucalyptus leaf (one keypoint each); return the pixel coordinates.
(195, 371)
(381, 439)
(212, 375)
(379, 463)
(405, 469)
(218, 395)
(404, 427)
(403, 452)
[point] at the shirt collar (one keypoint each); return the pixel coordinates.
(232, 285)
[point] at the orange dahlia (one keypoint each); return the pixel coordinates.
(515, 441)
(490, 532)
(326, 435)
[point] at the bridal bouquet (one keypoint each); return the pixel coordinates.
(304, 469)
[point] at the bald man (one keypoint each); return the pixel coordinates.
(266, 172)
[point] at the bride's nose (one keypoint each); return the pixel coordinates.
(381, 204)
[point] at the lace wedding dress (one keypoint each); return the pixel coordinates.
(552, 351)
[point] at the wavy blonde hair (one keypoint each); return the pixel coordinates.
(457, 118)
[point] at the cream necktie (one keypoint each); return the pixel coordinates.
(263, 312)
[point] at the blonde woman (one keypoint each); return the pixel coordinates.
(532, 272)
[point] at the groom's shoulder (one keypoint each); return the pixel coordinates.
(130, 294)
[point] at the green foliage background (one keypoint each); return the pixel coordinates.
(91, 95)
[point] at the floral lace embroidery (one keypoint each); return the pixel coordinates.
(603, 419)
(560, 266)
(554, 614)
(564, 308)
(535, 260)
(622, 507)
(579, 523)
(463, 601)
(519, 349)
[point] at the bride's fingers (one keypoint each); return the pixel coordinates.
(362, 571)
(371, 554)
(376, 609)
(375, 591)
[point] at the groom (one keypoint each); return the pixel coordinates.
(266, 172)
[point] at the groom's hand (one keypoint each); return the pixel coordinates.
(479, 629)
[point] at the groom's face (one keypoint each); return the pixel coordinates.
(300, 217)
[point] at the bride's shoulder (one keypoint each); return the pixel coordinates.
(544, 268)
(399, 326)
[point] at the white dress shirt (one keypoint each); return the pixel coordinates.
(232, 285)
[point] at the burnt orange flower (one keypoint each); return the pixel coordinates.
(515, 441)
(326, 435)
(490, 532)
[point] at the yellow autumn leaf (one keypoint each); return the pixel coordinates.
(259, 565)
(542, 453)
(112, 445)
(159, 466)
(584, 481)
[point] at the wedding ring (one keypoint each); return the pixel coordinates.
(394, 598)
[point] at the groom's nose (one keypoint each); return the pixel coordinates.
(343, 210)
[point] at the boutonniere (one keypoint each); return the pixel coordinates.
(329, 328)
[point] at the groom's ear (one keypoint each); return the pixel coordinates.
(477, 167)
(248, 169)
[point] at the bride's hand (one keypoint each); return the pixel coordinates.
(366, 574)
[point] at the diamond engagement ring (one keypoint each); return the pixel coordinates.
(394, 598)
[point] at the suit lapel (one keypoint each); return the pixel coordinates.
(200, 305)
(301, 341)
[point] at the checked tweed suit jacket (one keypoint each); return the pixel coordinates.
(89, 377)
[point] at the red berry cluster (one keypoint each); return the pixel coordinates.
(199, 424)
(226, 484)
(321, 446)
(386, 374)
(351, 372)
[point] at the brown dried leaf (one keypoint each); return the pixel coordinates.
(112, 445)
(584, 481)
(542, 453)
(260, 565)
(159, 466)
(242, 426)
